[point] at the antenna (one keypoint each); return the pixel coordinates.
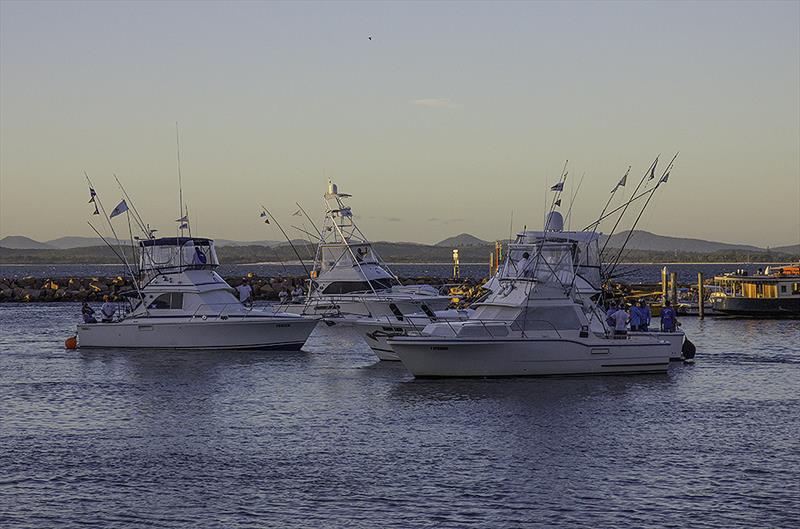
(180, 180)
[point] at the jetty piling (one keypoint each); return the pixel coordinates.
(701, 312)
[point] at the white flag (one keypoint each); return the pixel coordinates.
(121, 208)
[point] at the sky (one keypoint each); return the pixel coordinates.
(453, 116)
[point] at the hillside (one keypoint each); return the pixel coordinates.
(644, 240)
(462, 240)
(22, 243)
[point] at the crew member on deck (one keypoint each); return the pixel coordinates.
(245, 291)
(107, 311)
(297, 294)
(636, 318)
(88, 313)
(644, 315)
(620, 318)
(669, 318)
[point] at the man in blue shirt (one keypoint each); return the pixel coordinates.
(668, 318)
(636, 318)
(644, 316)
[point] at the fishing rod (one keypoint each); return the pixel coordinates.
(662, 179)
(287, 239)
(99, 202)
(574, 195)
(650, 172)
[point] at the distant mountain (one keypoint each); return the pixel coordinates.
(793, 249)
(229, 242)
(65, 243)
(644, 240)
(462, 240)
(18, 242)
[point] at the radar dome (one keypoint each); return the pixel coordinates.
(555, 222)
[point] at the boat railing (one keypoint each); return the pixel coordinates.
(507, 323)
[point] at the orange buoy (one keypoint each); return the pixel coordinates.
(71, 342)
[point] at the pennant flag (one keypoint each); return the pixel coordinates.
(184, 226)
(265, 217)
(558, 202)
(263, 214)
(297, 213)
(92, 194)
(624, 181)
(121, 208)
(96, 211)
(664, 178)
(185, 218)
(653, 170)
(558, 187)
(346, 212)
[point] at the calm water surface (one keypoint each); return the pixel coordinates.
(330, 438)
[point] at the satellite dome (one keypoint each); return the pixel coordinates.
(555, 222)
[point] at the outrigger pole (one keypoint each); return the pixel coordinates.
(113, 232)
(630, 232)
(650, 171)
(287, 239)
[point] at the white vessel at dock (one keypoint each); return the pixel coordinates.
(182, 303)
(349, 280)
(540, 321)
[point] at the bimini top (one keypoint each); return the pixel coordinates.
(176, 241)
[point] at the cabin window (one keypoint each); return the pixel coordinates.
(796, 289)
(168, 301)
(783, 289)
(547, 319)
(346, 287)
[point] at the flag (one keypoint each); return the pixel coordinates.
(664, 178)
(558, 187)
(185, 218)
(265, 217)
(184, 226)
(92, 194)
(653, 170)
(297, 213)
(558, 202)
(346, 212)
(624, 181)
(96, 211)
(121, 208)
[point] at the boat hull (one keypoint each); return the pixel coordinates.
(758, 307)
(428, 357)
(161, 333)
(675, 340)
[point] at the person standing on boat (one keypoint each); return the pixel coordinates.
(108, 310)
(669, 318)
(621, 318)
(645, 316)
(297, 294)
(283, 296)
(88, 313)
(245, 291)
(612, 308)
(636, 318)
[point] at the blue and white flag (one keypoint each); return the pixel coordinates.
(346, 212)
(558, 187)
(121, 208)
(185, 218)
(184, 226)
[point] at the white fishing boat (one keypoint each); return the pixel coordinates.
(182, 303)
(377, 331)
(349, 280)
(542, 320)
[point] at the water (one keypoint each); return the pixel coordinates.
(631, 273)
(331, 438)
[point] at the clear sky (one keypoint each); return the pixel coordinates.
(452, 116)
